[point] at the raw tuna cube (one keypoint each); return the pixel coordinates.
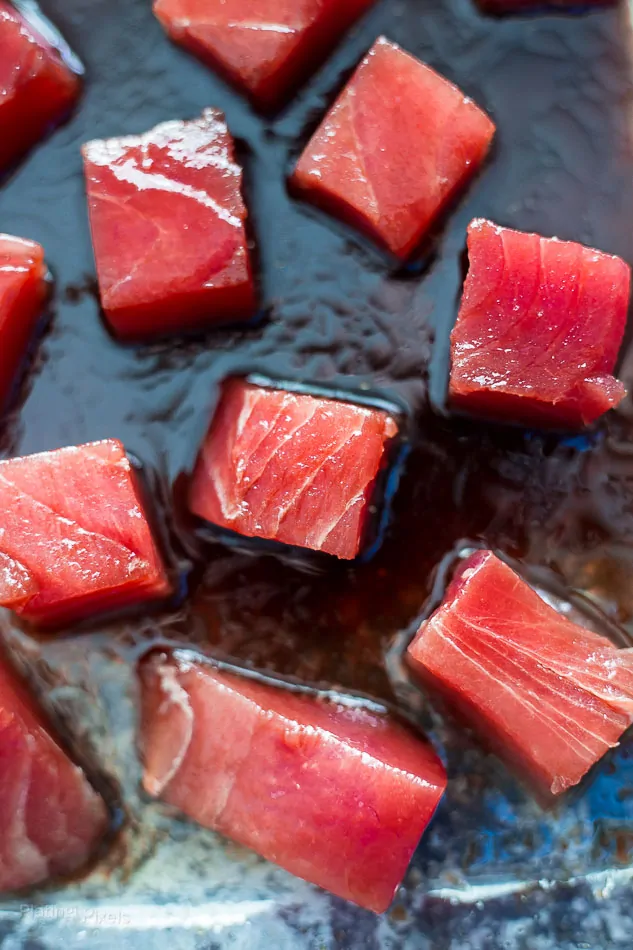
(73, 536)
(397, 146)
(37, 89)
(51, 819)
(539, 329)
(265, 47)
(23, 291)
(168, 228)
(291, 467)
(336, 794)
(548, 695)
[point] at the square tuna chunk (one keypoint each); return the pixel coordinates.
(549, 696)
(397, 146)
(168, 228)
(264, 47)
(23, 292)
(337, 794)
(74, 539)
(37, 88)
(51, 819)
(539, 329)
(291, 467)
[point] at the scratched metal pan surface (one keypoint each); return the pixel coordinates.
(494, 871)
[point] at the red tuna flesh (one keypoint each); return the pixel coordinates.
(539, 329)
(291, 467)
(51, 819)
(549, 696)
(168, 228)
(400, 142)
(73, 536)
(23, 291)
(265, 47)
(37, 89)
(336, 794)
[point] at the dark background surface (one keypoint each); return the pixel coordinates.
(335, 314)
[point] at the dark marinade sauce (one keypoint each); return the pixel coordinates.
(337, 316)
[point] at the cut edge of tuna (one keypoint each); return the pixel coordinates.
(527, 705)
(524, 388)
(24, 290)
(252, 477)
(51, 90)
(52, 819)
(335, 793)
(189, 167)
(271, 78)
(345, 189)
(116, 561)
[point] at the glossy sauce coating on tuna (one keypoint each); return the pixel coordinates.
(168, 228)
(539, 329)
(549, 696)
(74, 539)
(37, 89)
(336, 794)
(51, 819)
(23, 291)
(291, 467)
(398, 145)
(265, 47)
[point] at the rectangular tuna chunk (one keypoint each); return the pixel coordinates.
(337, 794)
(539, 329)
(264, 47)
(74, 540)
(291, 467)
(23, 291)
(37, 88)
(51, 819)
(398, 145)
(549, 696)
(168, 228)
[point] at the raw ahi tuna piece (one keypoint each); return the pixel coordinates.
(549, 696)
(291, 467)
(23, 291)
(51, 819)
(539, 329)
(336, 794)
(168, 228)
(37, 88)
(397, 146)
(265, 47)
(73, 536)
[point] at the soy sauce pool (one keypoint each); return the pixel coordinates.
(561, 92)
